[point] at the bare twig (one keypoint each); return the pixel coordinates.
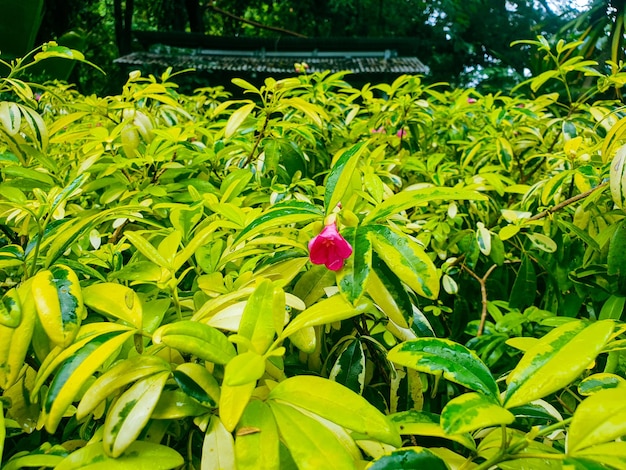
(483, 294)
(253, 23)
(567, 202)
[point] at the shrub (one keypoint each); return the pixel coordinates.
(160, 308)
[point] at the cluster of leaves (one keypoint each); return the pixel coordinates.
(159, 306)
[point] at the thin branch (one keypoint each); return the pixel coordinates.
(253, 23)
(567, 202)
(483, 294)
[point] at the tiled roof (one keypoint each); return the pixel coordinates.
(277, 63)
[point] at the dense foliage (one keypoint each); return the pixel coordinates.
(160, 305)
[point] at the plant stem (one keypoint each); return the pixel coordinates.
(483, 294)
(567, 202)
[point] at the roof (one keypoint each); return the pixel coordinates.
(277, 63)
(275, 55)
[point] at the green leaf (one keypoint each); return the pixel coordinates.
(233, 401)
(616, 260)
(441, 356)
(311, 444)
(33, 460)
(412, 198)
(542, 242)
(388, 293)
(598, 419)
(244, 368)
(197, 382)
(75, 371)
(525, 286)
(596, 382)
(176, 404)
(196, 338)
(340, 175)
(612, 308)
(349, 368)
(115, 301)
(612, 454)
(257, 440)
(556, 360)
(409, 458)
(472, 411)
(237, 118)
(218, 448)
(407, 259)
(146, 249)
(330, 310)
(337, 404)
(117, 377)
(131, 412)
(138, 456)
(423, 423)
(352, 279)
(263, 315)
(280, 215)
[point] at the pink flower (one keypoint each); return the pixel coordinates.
(329, 248)
(471, 100)
(380, 130)
(401, 133)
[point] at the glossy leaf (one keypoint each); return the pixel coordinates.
(472, 411)
(218, 448)
(263, 315)
(612, 454)
(75, 371)
(598, 419)
(596, 382)
(409, 458)
(312, 446)
(352, 278)
(412, 198)
(114, 300)
(454, 361)
(556, 360)
(280, 215)
(337, 404)
(349, 368)
(326, 311)
(117, 377)
(237, 118)
(196, 338)
(340, 176)
(407, 259)
(130, 413)
(257, 440)
(388, 293)
(138, 456)
(423, 423)
(197, 382)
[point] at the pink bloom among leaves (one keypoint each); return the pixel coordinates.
(329, 248)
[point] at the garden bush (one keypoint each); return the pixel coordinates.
(315, 276)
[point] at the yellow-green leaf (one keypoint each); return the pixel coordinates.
(218, 448)
(556, 360)
(256, 441)
(337, 404)
(130, 413)
(598, 419)
(138, 456)
(423, 423)
(115, 301)
(441, 356)
(311, 444)
(472, 411)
